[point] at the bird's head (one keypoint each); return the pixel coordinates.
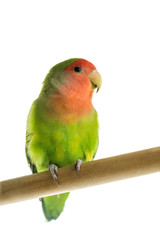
(69, 86)
(73, 76)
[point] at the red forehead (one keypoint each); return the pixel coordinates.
(81, 63)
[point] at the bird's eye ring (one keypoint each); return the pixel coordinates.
(78, 69)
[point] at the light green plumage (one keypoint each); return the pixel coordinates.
(53, 205)
(49, 140)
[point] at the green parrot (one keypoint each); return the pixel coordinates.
(62, 125)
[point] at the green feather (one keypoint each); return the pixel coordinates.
(53, 205)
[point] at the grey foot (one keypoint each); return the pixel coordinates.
(54, 171)
(77, 166)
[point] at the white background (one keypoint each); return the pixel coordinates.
(122, 38)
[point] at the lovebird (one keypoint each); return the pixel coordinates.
(62, 124)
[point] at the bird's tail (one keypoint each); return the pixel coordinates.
(53, 205)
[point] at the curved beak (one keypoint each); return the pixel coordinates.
(95, 79)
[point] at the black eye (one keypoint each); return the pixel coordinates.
(78, 69)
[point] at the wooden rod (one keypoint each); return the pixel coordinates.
(91, 174)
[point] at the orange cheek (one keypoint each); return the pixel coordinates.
(74, 99)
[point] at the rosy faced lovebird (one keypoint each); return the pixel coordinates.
(62, 125)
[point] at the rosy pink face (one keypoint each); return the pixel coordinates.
(82, 77)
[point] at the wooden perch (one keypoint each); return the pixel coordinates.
(91, 174)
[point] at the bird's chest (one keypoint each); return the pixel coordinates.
(68, 143)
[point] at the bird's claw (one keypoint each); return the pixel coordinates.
(77, 166)
(54, 171)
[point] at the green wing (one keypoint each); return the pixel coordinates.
(32, 165)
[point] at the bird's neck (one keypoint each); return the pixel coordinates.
(69, 107)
